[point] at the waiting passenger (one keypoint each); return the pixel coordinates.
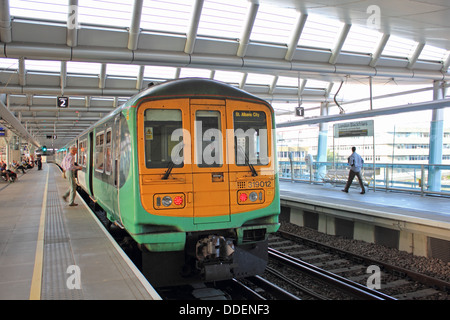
(16, 166)
(8, 175)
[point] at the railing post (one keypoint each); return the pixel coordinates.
(422, 176)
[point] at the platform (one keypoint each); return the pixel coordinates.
(421, 223)
(50, 251)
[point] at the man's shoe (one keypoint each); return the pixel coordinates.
(362, 192)
(64, 198)
(73, 204)
(343, 190)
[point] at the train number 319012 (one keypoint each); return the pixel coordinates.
(259, 184)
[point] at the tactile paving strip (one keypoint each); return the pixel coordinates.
(58, 255)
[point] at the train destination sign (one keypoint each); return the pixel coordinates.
(354, 129)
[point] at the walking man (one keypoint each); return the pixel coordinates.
(356, 162)
(68, 165)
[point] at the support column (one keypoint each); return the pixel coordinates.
(322, 143)
(436, 139)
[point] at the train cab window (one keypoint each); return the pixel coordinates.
(99, 141)
(251, 138)
(160, 138)
(208, 139)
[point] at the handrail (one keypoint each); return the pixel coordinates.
(387, 176)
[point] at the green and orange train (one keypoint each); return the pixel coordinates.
(188, 168)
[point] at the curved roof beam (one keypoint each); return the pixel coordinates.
(193, 26)
(133, 35)
(295, 35)
(339, 43)
(5, 22)
(245, 35)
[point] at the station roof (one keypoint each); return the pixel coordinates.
(100, 53)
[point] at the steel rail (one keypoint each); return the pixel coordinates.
(349, 286)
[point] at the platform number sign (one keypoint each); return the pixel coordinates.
(63, 102)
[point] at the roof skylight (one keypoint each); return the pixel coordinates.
(362, 40)
(55, 10)
(102, 12)
(127, 70)
(157, 72)
(433, 53)
(166, 15)
(83, 67)
(223, 18)
(9, 64)
(228, 76)
(399, 47)
(43, 65)
(261, 79)
(320, 32)
(273, 24)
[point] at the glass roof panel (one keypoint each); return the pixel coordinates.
(273, 24)
(195, 73)
(166, 15)
(288, 81)
(320, 32)
(262, 79)
(399, 47)
(10, 64)
(157, 72)
(433, 53)
(223, 18)
(127, 70)
(83, 67)
(55, 10)
(101, 12)
(362, 40)
(43, 65)
(228, 76)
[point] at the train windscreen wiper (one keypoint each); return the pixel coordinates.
(168, 171)
(247, 162)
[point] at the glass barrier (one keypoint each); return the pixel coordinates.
(421, 178)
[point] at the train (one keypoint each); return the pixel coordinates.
(188, 169)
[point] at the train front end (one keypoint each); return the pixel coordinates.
(207, 180)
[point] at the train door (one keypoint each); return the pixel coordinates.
(115, 162)
(210, 169)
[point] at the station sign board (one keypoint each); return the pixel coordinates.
(362, 128)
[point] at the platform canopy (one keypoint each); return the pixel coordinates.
(289, 52)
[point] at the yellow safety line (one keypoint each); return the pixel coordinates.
(36, 282)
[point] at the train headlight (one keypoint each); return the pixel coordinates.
(253, 196)
(166, 201)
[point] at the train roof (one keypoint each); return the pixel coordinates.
(194, 87)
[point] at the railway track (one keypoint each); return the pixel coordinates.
(390, 281)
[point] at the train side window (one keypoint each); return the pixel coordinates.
(251, 138)
(108, 155)
(160, 138)
(208, 139)
(82, 155)
(99, 157)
